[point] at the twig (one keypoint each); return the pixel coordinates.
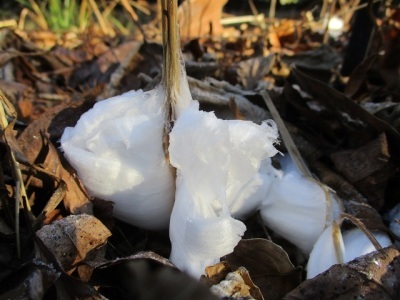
(260, 21)
(257, 19)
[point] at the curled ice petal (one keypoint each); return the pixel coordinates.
(217, 165)
(295, 207)
(116, 149)
(352, 244)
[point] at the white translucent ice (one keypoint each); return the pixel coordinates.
(295, 207)
(116, 148)
(357, 243)
(324, 253)
(353, 243)
(217, 164)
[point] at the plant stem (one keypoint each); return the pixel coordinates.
(287, 138)
(171, 77)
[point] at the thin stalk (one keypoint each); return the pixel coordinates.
(363, 228)
(331, 12)
(102, 22)
(272, 10)
(289, 143)
(135, 18)
(171, 76)
(336, 237)
(19, 185)
(324, 8)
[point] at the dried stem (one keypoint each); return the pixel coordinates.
(20, 192)
(363, 228)
(171, 77)
(135, 18)
(336, 236)
(289, 143)
(272, 10)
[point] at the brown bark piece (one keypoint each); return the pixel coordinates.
(200, 17)
(359, 163)
(367, 168)
(372, 276)
(354, 203)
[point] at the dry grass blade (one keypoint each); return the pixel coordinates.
(20, 193)
(8, 23)
(140, 7)
(105, 27)
(38, 17)
(53, 202)
(129, 9)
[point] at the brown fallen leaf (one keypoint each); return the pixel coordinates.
(251, 72)
(225, 283)
(268, 265)
(32, 282)
(354, 203)
(38, 149)
(368, 168)
(353, 122)
(207, 14)
(99, 70)
(146, 275)
(72, 238)
(372, 276)
(21, 96)
(318, 63)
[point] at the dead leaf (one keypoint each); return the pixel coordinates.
(32, 283)
(367, 168)
(318, 63)
(225, 283)
(356, 123)
(100, 69)
(38, 150)
(21, 96)
(207, 14)
(354, 203)
(217, 95)
(268, 265)
(372, 276)
(251, 72)
(141, 276)
(216, 273)
(72, 238)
